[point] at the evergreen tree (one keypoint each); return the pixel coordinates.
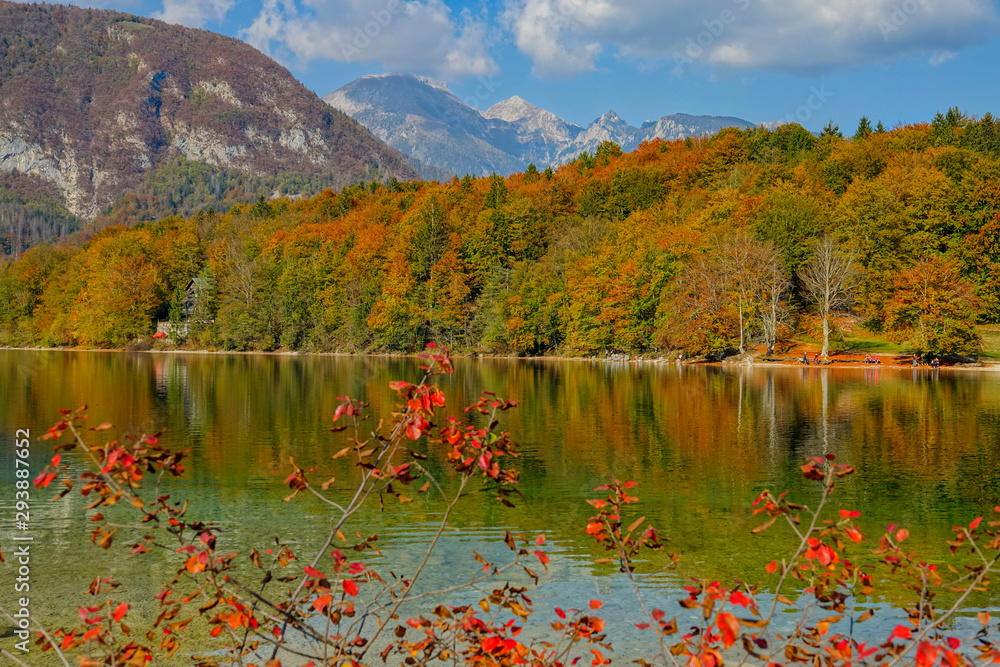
(864, 129)
(944, 125)
(177, 307)
(606, 151)
(498, 192)
(831, 131)
(880, 128)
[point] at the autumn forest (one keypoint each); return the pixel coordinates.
(709, 246)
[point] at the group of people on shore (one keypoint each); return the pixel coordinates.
(870, 360)
(805, 359)
(933, 363)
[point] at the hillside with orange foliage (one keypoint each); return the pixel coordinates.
(698, 245)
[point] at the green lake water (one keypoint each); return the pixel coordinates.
(702, 443)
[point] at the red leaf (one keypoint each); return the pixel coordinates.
(322, 602)
(596, 604)
(849, 514)
(927, 654)
(540, 540)
(739, 598)
(901, 632)
(953, 643)
(313, 572)
(729, 628)
(560, 613)
(120, 611)
(771, 567)
(975, 523)
(902, 534)
(44, 480)
(197, 563)
(350, 587)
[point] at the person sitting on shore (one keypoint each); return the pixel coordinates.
(805, 359)
(868, 359)
(816, 358)
(936, 363)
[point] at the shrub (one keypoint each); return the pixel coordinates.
(336, 610)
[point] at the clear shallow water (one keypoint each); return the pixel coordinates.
(702, 443)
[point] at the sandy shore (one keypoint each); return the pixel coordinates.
(836, 361)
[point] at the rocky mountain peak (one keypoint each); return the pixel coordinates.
(512, 109)
(425, 120)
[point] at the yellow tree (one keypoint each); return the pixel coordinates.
(934, 309)
(122, 288)
(448, 307)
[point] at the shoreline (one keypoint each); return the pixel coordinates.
(833, 364)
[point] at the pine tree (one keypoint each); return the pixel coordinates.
(864, 129)
(831, 131)
(880, 128)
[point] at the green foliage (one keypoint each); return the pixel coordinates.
(831, 131)
(616, 252)
(864, 129)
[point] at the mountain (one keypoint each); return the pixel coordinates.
(425, 120)
(542, 135)
(94, 103)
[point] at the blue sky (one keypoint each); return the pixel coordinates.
(762, 60)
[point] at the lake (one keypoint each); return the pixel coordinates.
(701, 441)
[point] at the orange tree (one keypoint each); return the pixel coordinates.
(327, 607)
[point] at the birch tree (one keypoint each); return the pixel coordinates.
(830, 278)
(742, 261)
(773, 288)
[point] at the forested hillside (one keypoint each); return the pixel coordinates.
(704, 245)
(98, 104)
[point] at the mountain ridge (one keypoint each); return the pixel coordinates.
(95, 100)
(430, 123)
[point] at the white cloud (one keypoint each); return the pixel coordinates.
(410, 35)
(194, 13)
(942, 57)
(566, 37)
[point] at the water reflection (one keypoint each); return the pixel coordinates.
(702, 442)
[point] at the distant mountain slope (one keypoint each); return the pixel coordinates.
(92, 101)
(427, 121)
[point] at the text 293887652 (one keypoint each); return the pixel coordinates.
(22, 538)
